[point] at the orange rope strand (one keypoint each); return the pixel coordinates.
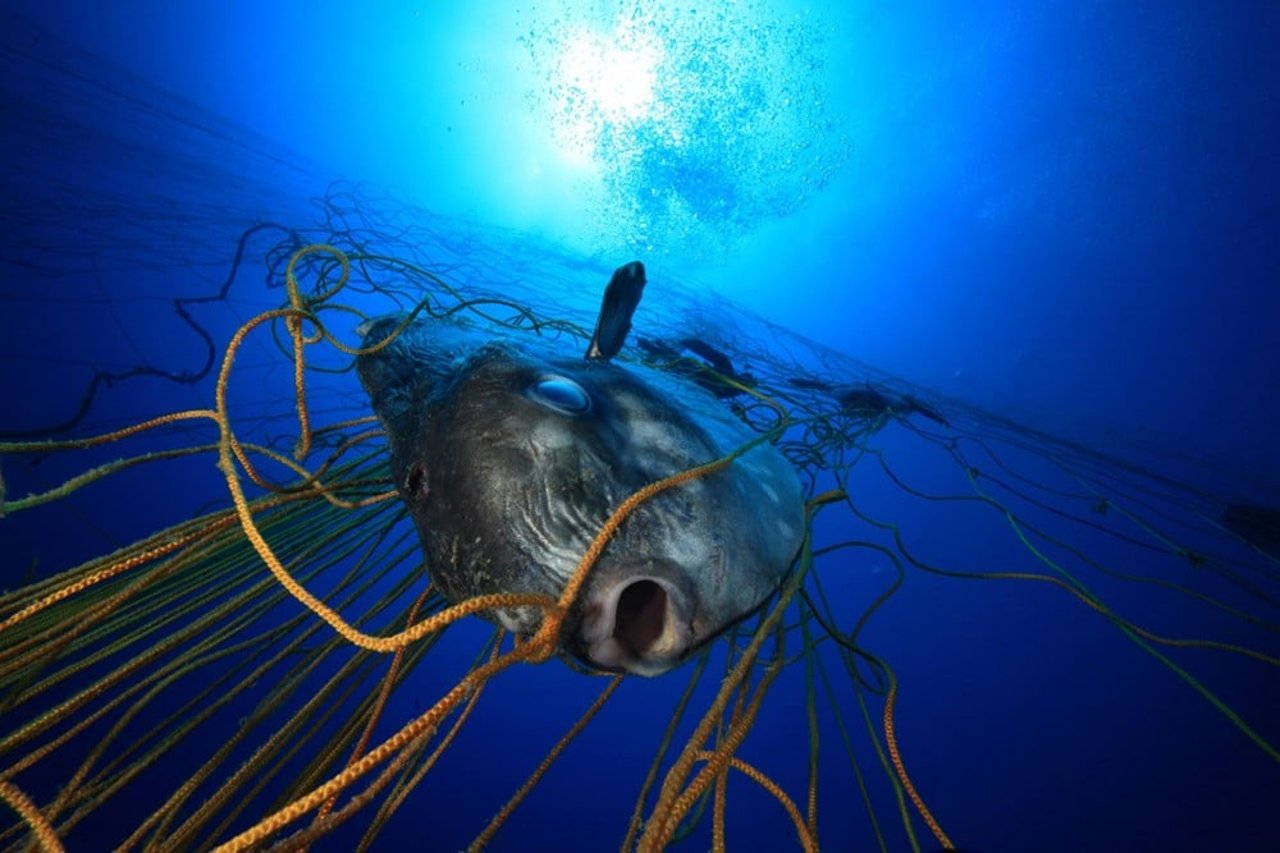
(807, 840)
(901, 769)
(376, 713)
(22, 804)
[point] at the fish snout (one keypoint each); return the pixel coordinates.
(636, 617)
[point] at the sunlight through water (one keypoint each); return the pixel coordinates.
(696, 125)
(607, 79)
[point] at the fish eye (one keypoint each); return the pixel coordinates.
(560, 393)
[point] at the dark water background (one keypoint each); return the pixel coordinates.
(1062, 212)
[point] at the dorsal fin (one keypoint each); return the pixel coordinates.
(621, 297)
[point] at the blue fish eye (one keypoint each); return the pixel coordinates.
(560, 393)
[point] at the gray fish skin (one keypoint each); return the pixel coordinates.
(511, 455)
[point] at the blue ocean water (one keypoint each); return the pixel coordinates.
(1062, 214)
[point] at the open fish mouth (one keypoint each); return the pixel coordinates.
(636, 617)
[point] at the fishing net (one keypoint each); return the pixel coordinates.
(250, 654)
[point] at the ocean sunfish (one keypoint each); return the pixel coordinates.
(511, 453)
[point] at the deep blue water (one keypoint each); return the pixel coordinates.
(1063, 213)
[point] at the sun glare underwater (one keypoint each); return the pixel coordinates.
(557, 426)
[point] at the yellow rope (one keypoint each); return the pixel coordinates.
(538, 649)
(380, 703)
(718, 762)
(807, 839)
(401, 793)
(672, 804)
(900, 768)
(637, 813)
(105, 438)
(392, 745)
(551, 628)
(323, 825)
(230, 452)
(98, 577)
(22, 804)
(294, 324)
(40, 643)
(721, 793)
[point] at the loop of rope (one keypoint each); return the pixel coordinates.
(302, 322)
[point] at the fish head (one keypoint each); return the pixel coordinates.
(512, 462)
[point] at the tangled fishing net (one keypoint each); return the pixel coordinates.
(310, 581)
(272, 669)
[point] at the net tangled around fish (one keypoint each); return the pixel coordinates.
(255, 656)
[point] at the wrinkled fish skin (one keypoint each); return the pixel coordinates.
(512, 454)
